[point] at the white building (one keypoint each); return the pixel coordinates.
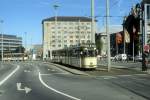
(60, 32)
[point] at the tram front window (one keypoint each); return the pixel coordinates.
(89, 53)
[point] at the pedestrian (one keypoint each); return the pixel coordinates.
(145, 61)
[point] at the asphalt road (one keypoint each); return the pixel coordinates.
(44, 81)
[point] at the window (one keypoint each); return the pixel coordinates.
(83, 36)
(53, 31)
(59, 41)
(82, 32)
(65, 45)
(65, 40)
(88, 23)
(65, 36)
(77, 31)
(65, 27)
(89, 32)
(53, 36)
(71, 36)
(77, 40)
(77, 36)
(82, 41)
(53, 41)
(71, 41)
(88, 41)
(70, 27)
(59, 36)
(47, 24)
(59, 45)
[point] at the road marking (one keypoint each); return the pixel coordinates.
(55, 74)
(107, 77)
(6, 78)
(26, 89)
(27, 71)
(64, 94)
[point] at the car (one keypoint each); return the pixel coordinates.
(121, 57)
(138, 58)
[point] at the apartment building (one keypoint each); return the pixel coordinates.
(63, 31)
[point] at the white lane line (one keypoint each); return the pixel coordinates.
(55, 74)
(6, 78)
(64, 94)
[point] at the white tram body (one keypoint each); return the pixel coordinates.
(83, 56)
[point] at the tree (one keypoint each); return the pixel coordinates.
(99, 43)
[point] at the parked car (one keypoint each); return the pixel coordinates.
(138, 58)
(121, 57)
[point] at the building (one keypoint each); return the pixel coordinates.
(65, 31)
(101, 39)
(101, 43)
(35, 52)
(10, 43)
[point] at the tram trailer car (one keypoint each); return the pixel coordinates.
(84, 56)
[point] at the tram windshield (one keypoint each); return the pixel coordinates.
(89, 53)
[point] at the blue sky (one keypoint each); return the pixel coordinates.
(22, 16)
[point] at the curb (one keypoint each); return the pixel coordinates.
(72, 71)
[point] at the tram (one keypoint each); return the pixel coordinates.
(82, 56)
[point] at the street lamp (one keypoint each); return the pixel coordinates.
(55, 8)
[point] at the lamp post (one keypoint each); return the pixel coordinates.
(1, 21)
(55, 8)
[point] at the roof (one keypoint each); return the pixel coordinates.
(69, 18)
(146, 1)
(10, 36)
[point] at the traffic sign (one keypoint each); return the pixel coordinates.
(146, 48)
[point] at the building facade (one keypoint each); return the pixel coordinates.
(35, 52)
(10, 43)
(64, 31)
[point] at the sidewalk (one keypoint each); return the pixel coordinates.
(102, 71)
(117, 70)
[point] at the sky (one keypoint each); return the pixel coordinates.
(23, 17)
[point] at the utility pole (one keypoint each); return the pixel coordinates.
(1, 21)
(25, 41)
(108, 35)
(93, 21)
(124, 42)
